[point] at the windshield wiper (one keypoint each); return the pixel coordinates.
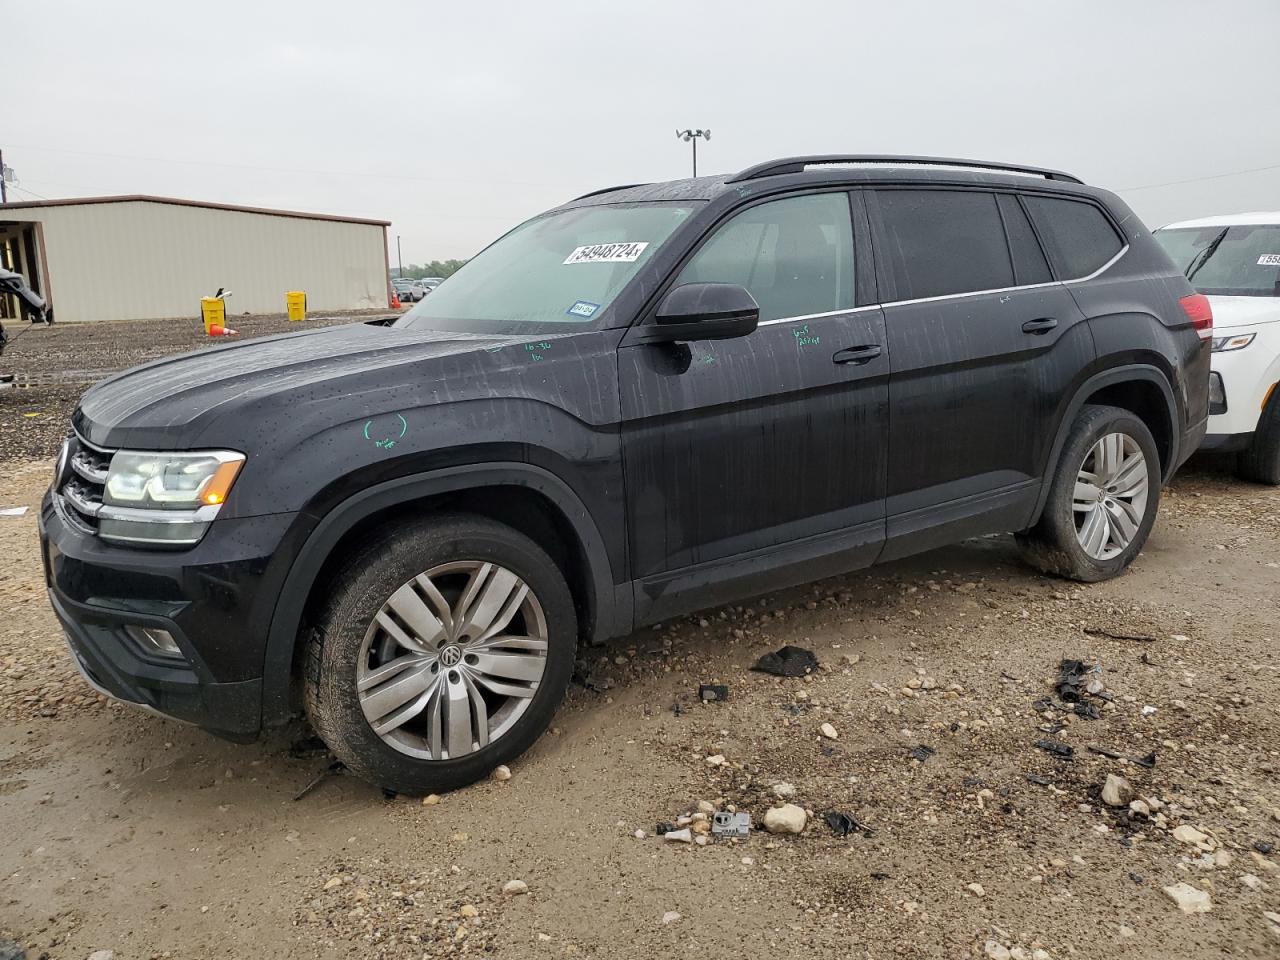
(1203, 256)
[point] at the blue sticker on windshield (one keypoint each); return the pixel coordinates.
(583, 308)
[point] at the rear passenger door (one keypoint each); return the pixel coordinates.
(984, 344)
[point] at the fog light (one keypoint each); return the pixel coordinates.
(154, 640)
(1217, 394)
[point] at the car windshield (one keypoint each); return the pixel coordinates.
(1235, 261)
(553, 272)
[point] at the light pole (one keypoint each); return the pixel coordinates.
(691, 136)
(399, 258)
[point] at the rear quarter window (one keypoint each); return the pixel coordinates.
(1077, 235)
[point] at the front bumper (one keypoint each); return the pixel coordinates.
(215, 600)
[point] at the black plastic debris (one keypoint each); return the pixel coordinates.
(788, 661)
(713, 692)
(1056, 748)
(1149, 761)
(1071, 680)
(1038, 781)
(877, 875)
(1136, 877)
(843, 824)
(332, 770)
(921, 753)
(1104, 752)
(1088, 711)
(663, 828)
(1264, 847)
(1041, 705)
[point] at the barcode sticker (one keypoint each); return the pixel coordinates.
(607, 253)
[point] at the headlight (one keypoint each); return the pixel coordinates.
(1238, 342)
(165, 499)
(171, 481)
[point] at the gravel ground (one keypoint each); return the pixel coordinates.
(138, 835)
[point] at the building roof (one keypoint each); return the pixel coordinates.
(144, 198)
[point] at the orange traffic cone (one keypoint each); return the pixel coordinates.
(395, 300)
(218, 330)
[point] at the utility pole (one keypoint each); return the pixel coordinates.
(692, 136)
(399, 257)
(4, 178)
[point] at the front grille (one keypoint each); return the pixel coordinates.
(83, 481)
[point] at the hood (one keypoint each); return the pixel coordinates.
(170, 398)
(1231, 312)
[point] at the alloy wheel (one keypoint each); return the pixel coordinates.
(1110, 498)
(452, 660)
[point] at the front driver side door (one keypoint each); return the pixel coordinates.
(759, 462)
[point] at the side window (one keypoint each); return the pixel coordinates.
(941, 242)
(794, 255)
(1029, 264)
(1078, 236)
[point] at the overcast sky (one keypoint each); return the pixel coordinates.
(458, 120)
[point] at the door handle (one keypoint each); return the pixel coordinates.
(1043, 325)
(863, 354)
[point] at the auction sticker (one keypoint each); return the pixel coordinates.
(1266, 260)
(583, 308)
(607, 253)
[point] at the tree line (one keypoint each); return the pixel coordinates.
(436, 268)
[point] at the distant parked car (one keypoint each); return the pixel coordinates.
(1235, 262)
(411, 290)
(432, 282)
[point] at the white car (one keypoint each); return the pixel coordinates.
(1235, 262)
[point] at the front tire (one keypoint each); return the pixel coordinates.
(1260, 462)
(443, 650)
(1102, 502)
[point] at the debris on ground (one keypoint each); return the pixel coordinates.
(731, 825)
(1188, 898)
(842, 824)
(332, 770)
(683, 835)
(586, 675)
(1056, 748)
(500, 773)
(307, 748)
(515, 888)
(11, 951)
(13, 511)
(713, 692)
(1072, 680)
(829, 732)
(1100, 632)
(1149, 761)
(921, 753)
(788, 661)
(787, 818)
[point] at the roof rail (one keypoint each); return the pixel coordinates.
(773, 168)
(596, 193)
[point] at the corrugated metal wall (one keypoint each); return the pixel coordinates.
(136, 260)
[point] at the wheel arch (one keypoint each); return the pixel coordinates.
(524, 496)
(1144, 391)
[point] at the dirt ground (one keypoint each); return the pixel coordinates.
(129, 833)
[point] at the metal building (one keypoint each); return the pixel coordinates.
(140, 257)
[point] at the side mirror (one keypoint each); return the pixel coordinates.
(703, 311)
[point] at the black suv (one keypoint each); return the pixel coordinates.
(649, 400)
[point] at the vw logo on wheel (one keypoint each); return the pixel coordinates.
(451, 656)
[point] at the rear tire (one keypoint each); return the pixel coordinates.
(1260, 462)
(456, 636)
(1102, 501)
